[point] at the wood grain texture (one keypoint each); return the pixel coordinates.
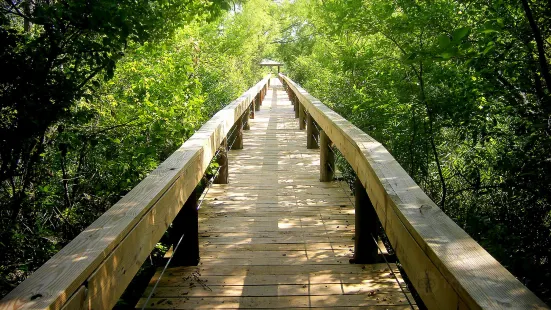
(448, 268)
(108, 253)
(275, 236)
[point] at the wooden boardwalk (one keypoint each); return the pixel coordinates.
(276, 237)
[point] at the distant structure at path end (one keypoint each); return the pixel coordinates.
(271, 63)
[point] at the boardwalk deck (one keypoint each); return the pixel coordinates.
(276, 237)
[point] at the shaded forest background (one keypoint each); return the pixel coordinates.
(94, 95)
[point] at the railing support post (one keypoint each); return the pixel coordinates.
(327, 158)
(297, 105)
(261, 95)
(301, 124)
(222, 177)
(186, 223)
(252, 107)
(237, 136)
(310, 133)
(246, 115)
(257, 101)
(367, 227)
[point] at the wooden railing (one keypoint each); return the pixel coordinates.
(447, 267)
(95, 268)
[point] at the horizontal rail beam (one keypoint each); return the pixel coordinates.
(95, 268)
(448, 268)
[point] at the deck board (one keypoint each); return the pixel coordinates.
(276, 237)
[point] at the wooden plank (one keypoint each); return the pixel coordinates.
(447, 267)
(380, 281)
(280, 302)
(276, 261)
(302, 254)
(276, 246)
(209, 290)
(92, 252)
(356, 269)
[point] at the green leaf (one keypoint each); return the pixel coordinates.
(488, 49)
(489, 27)
(443, 41)
(446, 55)
(460, 34)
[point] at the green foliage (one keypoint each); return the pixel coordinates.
(459, 93)
(66, 161)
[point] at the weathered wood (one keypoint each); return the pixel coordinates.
(108, 253)
(447, 267)
(367, 227)
(236, 139)
(327, 158)
(311, 131)
(262, 93)
(246, 118)
(78, 300)
(222, 160)
(253, 109)
(282, 302)
(301, 116)
(296, 106)
(257, 101)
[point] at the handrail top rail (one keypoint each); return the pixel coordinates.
(448, 268)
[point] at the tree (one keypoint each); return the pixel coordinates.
(458, 92)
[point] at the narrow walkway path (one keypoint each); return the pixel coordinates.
(276, 237)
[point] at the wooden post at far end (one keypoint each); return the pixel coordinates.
(327, 158)
(222, 177)
(367, 227)
(186, 223)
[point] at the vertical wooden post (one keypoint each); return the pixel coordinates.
(310, 133)
(261, 96)
(301, 115)
(257, 101)
(297, 106)
(327, 158)
(246, 116)
(252, 107)
(367, 227)
(237, 136)
(186, 223)
(222, 177)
